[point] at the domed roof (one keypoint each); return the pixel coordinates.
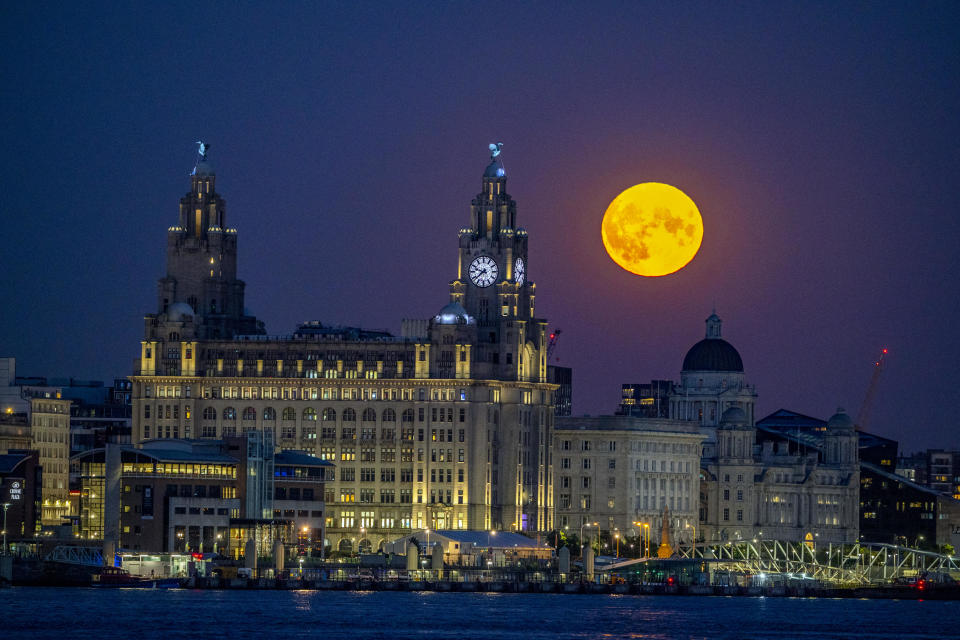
(733, 415)
(712, 354)
(494, 170)
(840, 421)
(178, 311)
(453, 313)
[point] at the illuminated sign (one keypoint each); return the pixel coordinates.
(646, 400)
(16, 490)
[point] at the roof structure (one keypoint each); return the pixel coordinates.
(10, 461)
(490, 539)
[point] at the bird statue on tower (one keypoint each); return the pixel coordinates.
(201, 155)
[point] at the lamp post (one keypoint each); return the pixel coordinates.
(6, 505)
(617, 537)
(582, 525)
(216, 543)
(694, 527)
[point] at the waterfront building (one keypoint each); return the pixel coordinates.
(21, 492)
(14, 432)
(200, 496)
(711, 381)
(50, 432)
(563, 396)
(447, 426)
(646, 400)
(617, 471)
(779, 488)
(937, 469)
(480, 549)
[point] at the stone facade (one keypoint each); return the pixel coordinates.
(618, 471)
(448, 426)
(778, 491)
(50, 431)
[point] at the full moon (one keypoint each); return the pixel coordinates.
(652, 229)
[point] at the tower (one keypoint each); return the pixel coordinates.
(202, 262)
(493, 287)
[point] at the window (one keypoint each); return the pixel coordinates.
(726, 494)
(329, 415)
(586, 463)
(585, 445)
(270, 414)
(309, 413)
(739, 515)
(726, 515)
(740, 495)
(229, 413)
(369, 415)
(289, 413)
(612, 464)
(389, 415)
(209, 413)
(249, 413)
(349, 415)
(585, 482)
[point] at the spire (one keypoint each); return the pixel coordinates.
(713, 325)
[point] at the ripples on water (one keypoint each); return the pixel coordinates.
(133, 613)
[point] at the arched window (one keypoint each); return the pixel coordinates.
(365, 546)
(309, 413)
(329, 414)
(345, 546)
(209, 413)
(389, 415)
(289, 413)
(369, 415)
(249, 413)
(229, 413)
(407, 416)
(349, 415)
(269, 413)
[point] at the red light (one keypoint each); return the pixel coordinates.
(921, 585)
(552, 336)
(884, 350)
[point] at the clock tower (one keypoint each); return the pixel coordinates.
(493, 287)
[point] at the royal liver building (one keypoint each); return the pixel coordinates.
(447, 426)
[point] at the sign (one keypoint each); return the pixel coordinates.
(16, 490)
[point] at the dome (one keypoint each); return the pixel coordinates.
(494, 170)
(712, 354)
(179, 311)
(840, 421)
(453, 313)
(733, 415)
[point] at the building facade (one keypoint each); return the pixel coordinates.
(711, 381)
(447, 426)
(618, 471)
(50, 431)
(780, 489)
(196, 496)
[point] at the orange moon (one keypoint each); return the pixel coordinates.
(652, 229)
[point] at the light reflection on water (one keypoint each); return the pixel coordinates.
(118, 614)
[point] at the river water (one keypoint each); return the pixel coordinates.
(107, 614)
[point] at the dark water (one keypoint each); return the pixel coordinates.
(133, 613)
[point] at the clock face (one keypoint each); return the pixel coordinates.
(519, 271)
(483, 271)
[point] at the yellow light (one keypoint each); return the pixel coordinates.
(652, 229)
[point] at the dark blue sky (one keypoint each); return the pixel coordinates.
(819, 140)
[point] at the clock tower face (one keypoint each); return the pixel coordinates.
(483, 271)
(519, 271)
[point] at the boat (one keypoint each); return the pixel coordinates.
(116, 577)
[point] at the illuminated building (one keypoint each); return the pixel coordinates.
(200, 496)
(780, 488)
(646, 400)
(20, 488)
(446, 426)
(620, 470)
(50, 431)
(712, 381)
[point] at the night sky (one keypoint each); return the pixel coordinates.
(819, 141)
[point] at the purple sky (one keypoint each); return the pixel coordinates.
(819, 140)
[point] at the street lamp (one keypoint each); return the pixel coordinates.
(687, 525)
(644, 527)
(617, 537)
(6, 505)
(582, 525)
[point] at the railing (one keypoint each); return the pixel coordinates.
(836, 563)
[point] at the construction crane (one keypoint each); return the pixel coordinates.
(864, 416)
(554, 337)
